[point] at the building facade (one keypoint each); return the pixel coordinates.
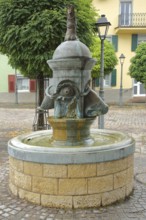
(11, 79)
(127, 30)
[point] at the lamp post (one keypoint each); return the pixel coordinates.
(121, 58)
(102, 26)
(16, 87)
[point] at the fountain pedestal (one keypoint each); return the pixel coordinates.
(73, 176)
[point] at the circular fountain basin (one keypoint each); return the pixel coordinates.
(95, 174)
(38, 147)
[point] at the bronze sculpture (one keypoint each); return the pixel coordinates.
(71, 96)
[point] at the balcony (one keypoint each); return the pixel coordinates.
(132, 23)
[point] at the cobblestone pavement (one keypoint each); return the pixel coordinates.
(131, 120)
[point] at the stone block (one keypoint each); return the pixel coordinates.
(29, 196)
(12, 175)
(83, 170)
(56, 201)
(13, 189)
(113, 196)
(44, 185)
(100, 184)
(88, 201)
(55, 171)
(111, 167)
(130, 161)
(72, 186)
(22, 181)
(16, 164)
(34, 169)
(129, 188)
(130, 175)
(120, 179)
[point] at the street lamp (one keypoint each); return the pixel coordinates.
(102, 26)
(16, 87)
(121, 58)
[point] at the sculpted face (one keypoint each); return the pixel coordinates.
(68, 100)
(67, 91)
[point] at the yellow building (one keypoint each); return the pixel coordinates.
(127, 30)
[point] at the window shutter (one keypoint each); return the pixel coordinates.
(115, 42)
(11, 83)
(114, 78)
(32, 85)
(97, 82)
(134, 42)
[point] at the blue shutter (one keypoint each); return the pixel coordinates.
(114, 78)
(97, 82)
(115, 42)
(134, 42)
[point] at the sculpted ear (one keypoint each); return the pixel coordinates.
(94, 105)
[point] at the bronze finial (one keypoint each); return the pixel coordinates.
(71, 24)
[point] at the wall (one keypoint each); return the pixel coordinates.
(5, 70)
(125, 48)
(138, 6)
(111, 9)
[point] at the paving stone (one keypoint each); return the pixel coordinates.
(13, 212)
(2, 207)
(5, 214)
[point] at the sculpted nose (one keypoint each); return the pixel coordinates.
(105, 109)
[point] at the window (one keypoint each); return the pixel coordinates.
(137, 39)
(22, 84)
(109, 38)
(141, 38)
(125, 12)
(113, 39)
(107, 80)
(111, 79)
(138, 89)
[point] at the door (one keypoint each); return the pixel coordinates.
(126, 13)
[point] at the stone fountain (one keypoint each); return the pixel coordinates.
(72, 166)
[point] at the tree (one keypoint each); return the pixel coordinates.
(137, 67)
(110, 59)
(31, 30)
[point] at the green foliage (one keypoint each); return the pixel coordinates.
(137, 68)
(110, 59)
(31, 30)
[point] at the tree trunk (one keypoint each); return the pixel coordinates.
(40, 96)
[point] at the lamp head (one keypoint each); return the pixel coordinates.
(122, 58)
(102, 26)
